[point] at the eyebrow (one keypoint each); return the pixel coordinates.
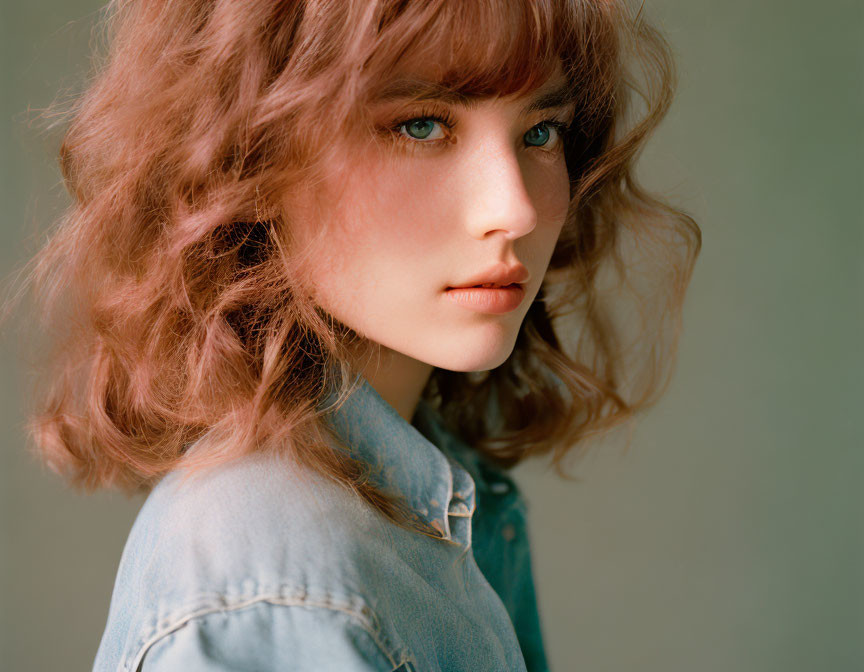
(422, 89)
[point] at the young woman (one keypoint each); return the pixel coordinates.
(305, 300)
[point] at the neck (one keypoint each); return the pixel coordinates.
(399, 379)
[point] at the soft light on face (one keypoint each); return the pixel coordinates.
(450, 203)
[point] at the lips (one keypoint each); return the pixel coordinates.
(493, 300)
(498, 275)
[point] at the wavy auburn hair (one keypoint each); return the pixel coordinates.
(176, 310)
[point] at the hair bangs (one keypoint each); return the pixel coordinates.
(477, 49)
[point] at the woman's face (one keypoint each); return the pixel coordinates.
(450, 203)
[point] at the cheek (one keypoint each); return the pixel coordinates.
(549, 187)
(380, 244)
(401, 211)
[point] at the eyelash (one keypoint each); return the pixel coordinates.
(446, 118)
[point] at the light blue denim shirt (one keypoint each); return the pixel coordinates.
(260, 566)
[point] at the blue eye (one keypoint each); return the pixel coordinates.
(560, 130)
(424, 124)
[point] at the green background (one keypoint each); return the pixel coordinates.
(729, 536)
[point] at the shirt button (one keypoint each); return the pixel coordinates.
(459, 508)
(499, 487)
(508, 532)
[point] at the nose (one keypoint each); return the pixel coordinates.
(497, 200)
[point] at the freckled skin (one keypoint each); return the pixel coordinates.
(407, 227)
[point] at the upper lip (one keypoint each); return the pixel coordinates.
(500, 274)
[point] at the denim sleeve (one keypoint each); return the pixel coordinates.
(265, 636)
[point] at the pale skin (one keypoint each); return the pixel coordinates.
(454, 202)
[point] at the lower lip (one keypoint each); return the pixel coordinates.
(495, 300)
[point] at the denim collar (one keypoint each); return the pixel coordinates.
(405, 458)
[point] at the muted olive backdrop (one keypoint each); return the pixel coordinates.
(729, 536)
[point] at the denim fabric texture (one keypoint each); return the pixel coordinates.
(260, 565)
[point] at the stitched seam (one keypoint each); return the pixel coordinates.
(359, 617)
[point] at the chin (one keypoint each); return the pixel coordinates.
(469, 361)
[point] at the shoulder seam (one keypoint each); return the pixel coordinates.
(362, 618)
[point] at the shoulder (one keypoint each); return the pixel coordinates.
(258, 518)
(256, 531)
